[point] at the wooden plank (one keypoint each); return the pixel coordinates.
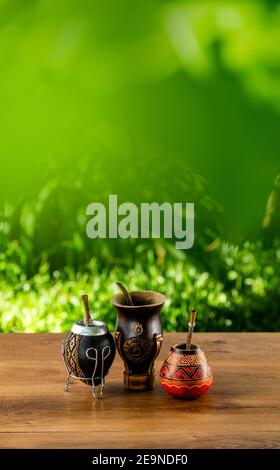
(147, 440)
(241, 410)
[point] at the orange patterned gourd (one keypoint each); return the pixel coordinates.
(186, 373)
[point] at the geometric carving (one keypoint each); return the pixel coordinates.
(186, 375)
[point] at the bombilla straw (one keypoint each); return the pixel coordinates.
(87, 317)
(125, 293)
(191, 326)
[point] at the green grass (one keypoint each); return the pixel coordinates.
(242, 293)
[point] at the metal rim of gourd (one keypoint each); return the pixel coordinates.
(97, 328)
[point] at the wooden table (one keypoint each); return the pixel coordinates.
(241, 410)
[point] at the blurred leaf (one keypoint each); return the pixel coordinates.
(28, 219)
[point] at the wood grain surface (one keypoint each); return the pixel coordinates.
(242, 410)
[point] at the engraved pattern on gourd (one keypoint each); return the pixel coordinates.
(190, 360)
(186, 368)
(71, 351)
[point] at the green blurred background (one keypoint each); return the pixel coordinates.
(152, 101)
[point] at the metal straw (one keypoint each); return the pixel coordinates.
(125, 293)
(191, 326)
(87, 317)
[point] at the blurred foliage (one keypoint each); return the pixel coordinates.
(242, 292)
(106, 93)
(152, 100)
(52, 225)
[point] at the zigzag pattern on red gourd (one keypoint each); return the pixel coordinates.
(185, 373)
(191, 360)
